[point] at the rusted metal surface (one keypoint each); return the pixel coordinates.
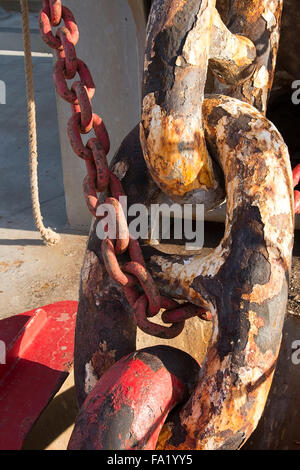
(201, 151)
(231, 56)
(278, 428)
(252, 263)
(55, 42)
(172, 132)
(160, 331)
(112, 266)
(61, 84)
(105, 330)
(104, 312)
(259, 21)
(129, 404)
(244, 282)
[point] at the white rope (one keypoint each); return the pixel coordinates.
(49, 237)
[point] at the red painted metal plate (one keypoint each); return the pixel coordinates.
(39, 354)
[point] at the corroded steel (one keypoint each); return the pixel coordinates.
(244, 281)
(83, 106)
(122, 232)
(190, 310)
(46, 30)
(182, 38)
(198, 150)
(231, 56)
(74, 131)
(112, 266)
(160, 331)
(259, 21)
(172, 132)
(146, 281)
(68, 52)
(102, 175)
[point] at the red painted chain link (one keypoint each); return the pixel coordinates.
(99, 178)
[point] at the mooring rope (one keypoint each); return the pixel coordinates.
(47, 234)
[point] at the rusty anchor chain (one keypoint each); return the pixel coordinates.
(244, 280)
(100, 179)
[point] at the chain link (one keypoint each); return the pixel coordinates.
(138, 285)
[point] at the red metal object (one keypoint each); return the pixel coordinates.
(68, 52)
(130, 403)
(56, 11)
(153, 329)
(61, 84)
(90, 193)
(148, 285)
(86, 77)
(122, 231)
(39, 355)
(101, 132)
(74, 131)
(46, 29)
(101, 170)
(296, 180)
(70, 24)
(83, 106)
(112, 266)
(184, 312)
(135, 252)
(116, 187)
(297, 202)
(75, 138)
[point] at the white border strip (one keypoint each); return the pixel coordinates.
(21, 53)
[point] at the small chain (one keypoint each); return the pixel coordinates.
(99, 178)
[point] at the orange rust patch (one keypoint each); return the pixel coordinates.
(102, 359)
(253, 12)
(176, 165)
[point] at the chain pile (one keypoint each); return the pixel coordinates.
(100, 179)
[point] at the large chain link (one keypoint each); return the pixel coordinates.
(99, 178)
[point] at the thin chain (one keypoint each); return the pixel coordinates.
(99, 179)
